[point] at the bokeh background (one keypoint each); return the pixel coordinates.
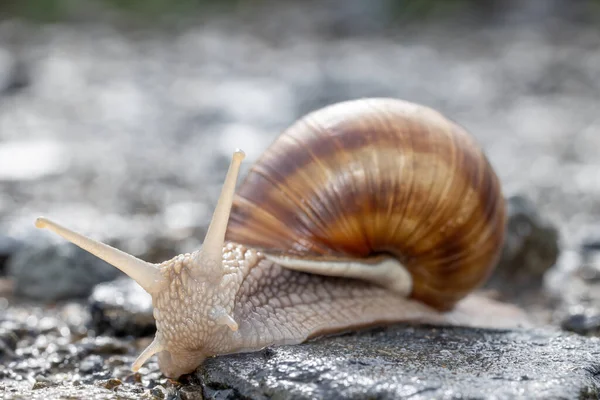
(118, 117)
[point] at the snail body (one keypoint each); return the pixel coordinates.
(364, 212)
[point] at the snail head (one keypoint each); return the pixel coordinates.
(192, 293)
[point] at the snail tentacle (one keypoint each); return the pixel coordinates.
(221, 317)
(152, 349)
(147, 275)
(206, 278)
(210, 255)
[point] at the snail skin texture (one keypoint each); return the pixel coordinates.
(365, 212)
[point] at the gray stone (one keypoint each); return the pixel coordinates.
(416, 362)
(531, 248)
(121, 308)
(48, 269)
(585, 322)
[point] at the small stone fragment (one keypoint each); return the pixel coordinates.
(192, 392)
(42, 383)
(583, 323)
(136, 377)
(110, 384)
(158, 392)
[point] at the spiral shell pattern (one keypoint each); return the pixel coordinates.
(378, 176)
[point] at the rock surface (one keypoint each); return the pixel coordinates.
(416, 362)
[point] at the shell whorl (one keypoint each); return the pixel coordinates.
(378, 176)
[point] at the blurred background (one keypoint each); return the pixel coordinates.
(118, 117)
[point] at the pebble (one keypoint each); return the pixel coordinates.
(42, 383)
(111, 384)
(583, 323)
(192, 392)
(531, 248)
(158, 392)
(121, 308)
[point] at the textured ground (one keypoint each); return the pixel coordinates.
(416, 363)
(55, 361)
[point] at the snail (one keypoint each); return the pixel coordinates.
(364, 212)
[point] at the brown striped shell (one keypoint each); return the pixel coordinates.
(373, 176)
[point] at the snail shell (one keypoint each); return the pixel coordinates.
(378, 176)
